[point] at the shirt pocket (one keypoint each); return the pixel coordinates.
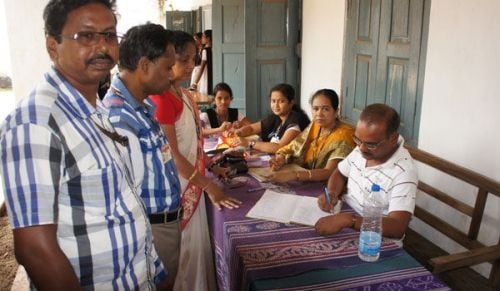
(94, 192)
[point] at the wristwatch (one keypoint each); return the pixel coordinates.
(252, 144)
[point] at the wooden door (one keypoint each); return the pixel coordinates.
(181, 20)
(254, 49)
(385, 53)
(228, 47)
(272, 35)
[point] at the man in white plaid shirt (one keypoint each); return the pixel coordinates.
(72, 199)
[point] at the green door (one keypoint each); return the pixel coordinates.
(384, 57)
(254, 43)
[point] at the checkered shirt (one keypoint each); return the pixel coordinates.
(58, 168)
(149, 149)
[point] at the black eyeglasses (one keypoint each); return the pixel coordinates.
(89, 38)
(369, 145)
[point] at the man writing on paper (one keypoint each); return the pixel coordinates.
(379, 158)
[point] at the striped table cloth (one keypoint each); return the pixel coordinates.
(254, 254)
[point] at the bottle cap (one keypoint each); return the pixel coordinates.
(375, 187)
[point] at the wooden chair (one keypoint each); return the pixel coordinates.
(477, 251)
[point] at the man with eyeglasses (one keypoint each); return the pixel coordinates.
(379, 158)
(77, 219)
(147, 55)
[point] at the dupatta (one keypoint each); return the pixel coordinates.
(191, 146)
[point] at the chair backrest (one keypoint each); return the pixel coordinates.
(485, 187)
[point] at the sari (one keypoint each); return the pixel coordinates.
(196, 270)
(311, 151)
(191, 147)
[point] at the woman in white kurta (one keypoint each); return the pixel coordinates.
(179, 116)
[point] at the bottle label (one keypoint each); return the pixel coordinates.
(369, 243)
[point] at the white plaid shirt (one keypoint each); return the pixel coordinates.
(397, 178)
(59, 168)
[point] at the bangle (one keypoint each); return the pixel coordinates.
(310, 175)
(193, 174)
(206, 186)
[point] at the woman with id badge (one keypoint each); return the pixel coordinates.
(278, 128)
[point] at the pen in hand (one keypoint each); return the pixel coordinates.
(328, 199)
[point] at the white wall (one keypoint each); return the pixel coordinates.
(459, 119)
(28, 56)
(132, 13)
(460, 106)
(26, 42)
(4, 45)
(322, 47)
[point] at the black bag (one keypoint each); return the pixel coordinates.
(236, 163)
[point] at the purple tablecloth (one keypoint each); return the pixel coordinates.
(247, 250)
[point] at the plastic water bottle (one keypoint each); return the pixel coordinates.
(370, 238)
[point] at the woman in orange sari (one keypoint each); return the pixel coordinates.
(178, 114)
(319, 148)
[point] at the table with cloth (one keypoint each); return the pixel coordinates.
(254, 254)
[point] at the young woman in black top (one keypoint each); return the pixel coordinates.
(280, 127)
(222, 118)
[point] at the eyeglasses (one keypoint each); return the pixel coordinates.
(369, 145)
(89, 38)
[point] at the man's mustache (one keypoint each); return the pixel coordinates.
(102, 56)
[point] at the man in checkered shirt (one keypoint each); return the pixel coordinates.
(71, 195)
(147, 55)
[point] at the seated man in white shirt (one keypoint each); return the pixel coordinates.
(379, 158)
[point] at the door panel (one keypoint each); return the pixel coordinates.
(383, 59)
(363, 66)
(271, 36)
(254, 49)
(229, 47)
(233, 64)
(181, 20)
(269, 73)
(398, 59)
(361, 51)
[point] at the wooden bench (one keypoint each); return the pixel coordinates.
(439, 261)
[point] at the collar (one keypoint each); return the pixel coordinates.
(69, 94)
(119, 89)
(396, 156)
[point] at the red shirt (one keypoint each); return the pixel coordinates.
(168, 108)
